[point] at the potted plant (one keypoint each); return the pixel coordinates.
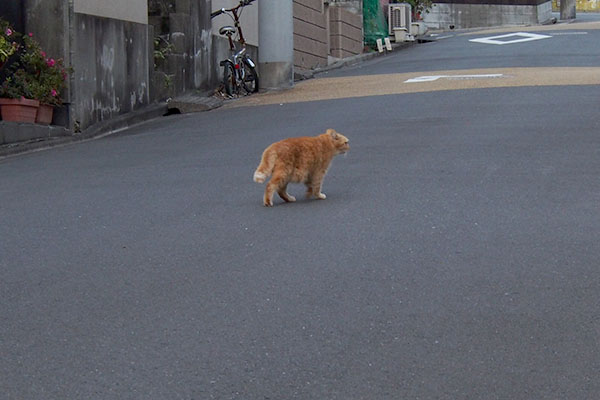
(17, 100)
(35, 83)
(50, 77)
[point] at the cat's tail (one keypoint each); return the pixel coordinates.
(265, 168)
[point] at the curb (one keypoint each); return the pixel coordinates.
(41, 138)
(191, 103)
(300, 75)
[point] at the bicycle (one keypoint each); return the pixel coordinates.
(239, 71)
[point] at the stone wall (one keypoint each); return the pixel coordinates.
(459, 14)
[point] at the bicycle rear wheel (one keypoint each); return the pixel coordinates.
(250, 78)
(229, 79)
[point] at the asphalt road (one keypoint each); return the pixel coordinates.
(455, 257)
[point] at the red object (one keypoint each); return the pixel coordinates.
(44, 114)
(19, 110)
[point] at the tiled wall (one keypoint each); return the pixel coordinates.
(346, 32)
(311, 42)
(322, 31)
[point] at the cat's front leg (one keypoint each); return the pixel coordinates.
(310, 192)
(315, 190)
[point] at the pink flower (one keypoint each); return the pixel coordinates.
(54, 93)
(43, 53)
(51, 62)
(30, 34)
(9, 32)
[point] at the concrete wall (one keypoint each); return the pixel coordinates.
(54, 40)
(459, 14)
(190, 65)
(111, 77)
(129, 10)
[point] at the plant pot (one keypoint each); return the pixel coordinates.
(44, 114)
(19, 110)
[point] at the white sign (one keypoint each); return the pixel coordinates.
(431, 78)
(388, 44)
(520, 37)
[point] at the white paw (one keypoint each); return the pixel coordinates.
(291, 198)
(321, 196)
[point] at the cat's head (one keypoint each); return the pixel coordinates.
(339, 141)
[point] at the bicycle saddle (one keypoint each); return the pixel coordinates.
(227, 30)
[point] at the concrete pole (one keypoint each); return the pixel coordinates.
(275, 44)
(567, 9)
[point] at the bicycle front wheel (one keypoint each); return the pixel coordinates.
(229, 79)
(250, 78)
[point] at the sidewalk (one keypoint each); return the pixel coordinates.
(17, 138)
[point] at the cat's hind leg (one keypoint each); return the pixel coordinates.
(268, 198)
(309, 190)
(282, 192)
(277, 184)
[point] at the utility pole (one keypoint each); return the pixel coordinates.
(567, 9)
(276, 44)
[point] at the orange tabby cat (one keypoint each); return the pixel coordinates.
(300, 160)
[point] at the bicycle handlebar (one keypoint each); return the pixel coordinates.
(218, 12)
(223, 10)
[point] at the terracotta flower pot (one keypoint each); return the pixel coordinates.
(19, 110)
(44, 114)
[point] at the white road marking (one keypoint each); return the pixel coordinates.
(438, 37)
(524, 37)
(568, 33)
(431, 78)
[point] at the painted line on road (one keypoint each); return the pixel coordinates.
(393, 84)
(431, 78)
(575, 26)
(520, 37)
(568, 33)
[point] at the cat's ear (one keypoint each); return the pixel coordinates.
(332, 133)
